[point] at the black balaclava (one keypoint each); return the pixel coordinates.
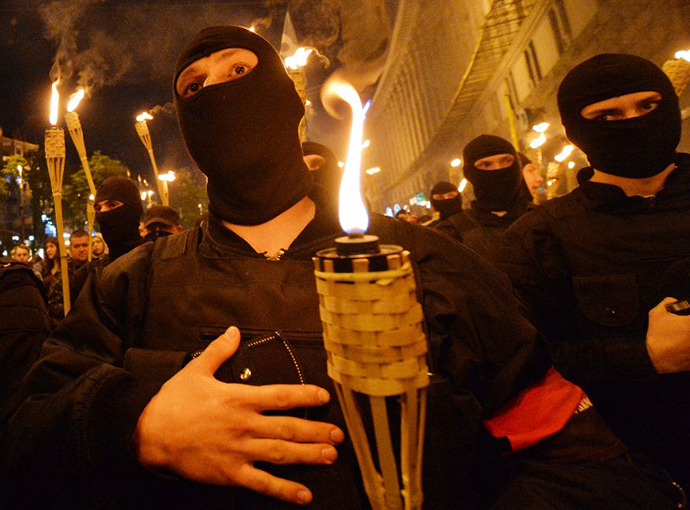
(243, 134)
(119, 226)
(449, 206)
(496, 190)
(330, 174)
(639, 147)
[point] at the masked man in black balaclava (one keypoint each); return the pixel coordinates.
(118, 209)
(446, 200)
(594, 263)
(495, 172)
(144, 398)
(323, 165)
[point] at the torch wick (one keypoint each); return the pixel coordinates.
(355, 235)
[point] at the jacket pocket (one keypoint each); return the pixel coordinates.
(611, 300)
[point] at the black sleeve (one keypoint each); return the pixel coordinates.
(24, 325)
(79, 407)
(536, 265)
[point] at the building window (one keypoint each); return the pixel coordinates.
(560, 26)
(532, 64)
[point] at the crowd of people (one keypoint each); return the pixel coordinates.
(191, 373)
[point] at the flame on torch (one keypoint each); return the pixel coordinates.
(74, 100)
(685, 55)
(352, 213)
(144, 116)
(54, 102)
(299, 58)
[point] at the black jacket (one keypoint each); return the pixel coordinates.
(591, 265)
(24, 324)
(481, 229)
(136, 323)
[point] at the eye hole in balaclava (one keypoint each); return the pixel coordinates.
(496, 190)
(446, 199)
(636, 147)
(243, 133)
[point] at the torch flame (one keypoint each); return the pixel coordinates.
(144, 116)
(299, 58)
(252, 29)
(684, 55)
(74, 100)
(352, 213)
(54, 102)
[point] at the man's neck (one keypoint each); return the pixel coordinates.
(279, 233)
(645, 187)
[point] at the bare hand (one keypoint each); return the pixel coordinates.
(668, 339)
(212, 432)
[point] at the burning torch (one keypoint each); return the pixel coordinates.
(55, 158)
(376, 347)
(294, 64)
(77, 134)
(143, 132)
(678, 70)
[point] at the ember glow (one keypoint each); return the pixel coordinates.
(567, 150)
(352, 213)
(299, 59)
(74, 100)
(144, 116)
(54, 102)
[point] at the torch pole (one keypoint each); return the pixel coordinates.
(145, 136)
(77, 135)
(55, 158)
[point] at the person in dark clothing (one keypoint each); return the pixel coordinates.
(143, 397)
(446, 200)
(78, 252)
(24, 324)
(323, 165)
(495, 171)
(161, 221)
(594, 265)
(51, 264)
(533, 179)
(118, 209)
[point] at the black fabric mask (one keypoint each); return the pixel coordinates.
(638, 147)
(449, 206)
(243, 134)
(119, 226)
(496, 190)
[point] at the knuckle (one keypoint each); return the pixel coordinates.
(276, 453)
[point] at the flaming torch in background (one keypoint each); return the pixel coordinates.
(143, 132)
(77, 134)
(294, 64)
(55, 158)
(372, 329)
(678, 70)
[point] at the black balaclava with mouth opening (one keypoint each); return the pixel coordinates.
(243, 134)
(638, 147)
(446, 207)
(496, 190)
(119, 226)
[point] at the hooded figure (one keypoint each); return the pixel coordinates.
(636, 147)
(242, 134)
(446, 207)
(119, 225)
(497, 189)
(326, 171)
(500, 191)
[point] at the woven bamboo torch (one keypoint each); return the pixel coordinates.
(77, 134)
(375, 344)
(55, 158)
(294, 65)
(678, 71)
(143, 131)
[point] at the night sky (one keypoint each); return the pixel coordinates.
(125, 52)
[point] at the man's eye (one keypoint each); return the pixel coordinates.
(192, 88)
(240, 69)
(650, 105)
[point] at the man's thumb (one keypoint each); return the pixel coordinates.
(218, 351)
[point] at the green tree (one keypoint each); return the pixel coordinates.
(186, 194)
(76, 192)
